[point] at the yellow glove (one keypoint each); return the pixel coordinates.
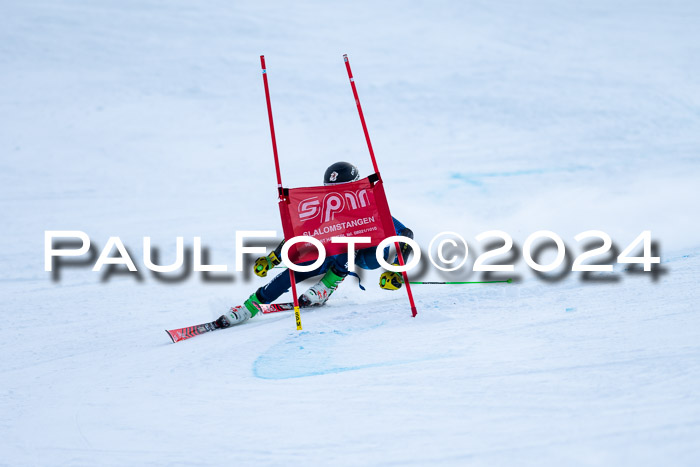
(265, 263)
(390, 280)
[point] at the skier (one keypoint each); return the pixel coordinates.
(334, 268)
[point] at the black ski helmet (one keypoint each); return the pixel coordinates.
(341, 172)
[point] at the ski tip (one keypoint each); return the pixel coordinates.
(510, 281)
(170, 336)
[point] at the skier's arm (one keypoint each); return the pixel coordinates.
(390, 280)
(265, 263)
(405, 248)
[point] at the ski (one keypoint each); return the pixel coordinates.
(181, 334)
(277, 307)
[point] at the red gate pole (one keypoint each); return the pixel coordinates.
(272, 126)
(414, 312)
(280, 190)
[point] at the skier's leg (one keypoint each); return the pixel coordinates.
(281, 283)
(266, 294)
(334, 267)
(319, 293)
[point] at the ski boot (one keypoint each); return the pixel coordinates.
(319, 293)
(240, 314)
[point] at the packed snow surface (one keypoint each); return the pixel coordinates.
(147, 118)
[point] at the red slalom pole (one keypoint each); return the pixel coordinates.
(297, 313)
(362, 115)
(272, 125)
(414, 311)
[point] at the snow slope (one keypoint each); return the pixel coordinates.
(147, 118)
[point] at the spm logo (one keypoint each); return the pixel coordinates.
(333, 203)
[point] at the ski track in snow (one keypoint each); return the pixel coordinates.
(147, 118)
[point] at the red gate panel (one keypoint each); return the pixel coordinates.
(354, 209)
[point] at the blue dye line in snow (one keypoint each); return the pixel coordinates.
(475, 177)
(325, 371)
(311, 354)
